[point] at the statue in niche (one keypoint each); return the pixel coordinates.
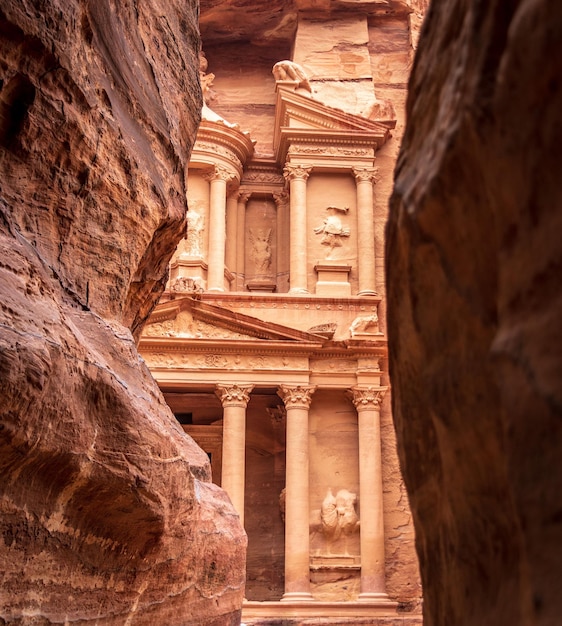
(332, 229)
(365, 325)
(337, 515)
(194, 239)
(260, 252)
(289, 71)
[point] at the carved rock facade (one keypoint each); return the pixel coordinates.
(107, 511)
(270, 341)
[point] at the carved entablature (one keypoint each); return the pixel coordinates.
(333, 365)
(195, 361)
(331, 150)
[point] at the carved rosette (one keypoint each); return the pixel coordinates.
(296, 172)
(365, 174)
(367, 398)
(234, 395)
(297, 397)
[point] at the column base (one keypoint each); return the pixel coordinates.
(367, 292)
(298, 290)
(373, 596)
(216, 289)
(297, 596)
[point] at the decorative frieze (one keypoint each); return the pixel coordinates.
(190, 360)
(330, 150)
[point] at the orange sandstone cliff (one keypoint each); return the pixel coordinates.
(107, 512)
(473, 268)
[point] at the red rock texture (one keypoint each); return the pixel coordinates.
(107, 512)
(473, 270)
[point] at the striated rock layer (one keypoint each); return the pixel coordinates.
(474, 307)
(107, 512)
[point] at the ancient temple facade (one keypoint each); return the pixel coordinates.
(269, 343)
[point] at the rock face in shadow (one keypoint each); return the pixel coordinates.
(474, 264)
(107, 512)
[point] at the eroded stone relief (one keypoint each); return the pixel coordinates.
(260, 252)
(291, 72)
(365, 325)
(332, 230)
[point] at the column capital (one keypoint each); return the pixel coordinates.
(296, 172)
(234, 395)
(281, 198)
(367, 398)
(365, 174)
(297, 396)
(243, 196)
(218, 172)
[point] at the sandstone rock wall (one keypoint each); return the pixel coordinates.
(473, 270)
(107, 513)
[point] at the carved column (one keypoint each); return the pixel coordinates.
(367, 401)
(364, 179)
(243, 198)
(231, 230)
(297, 549)
(297, 175)
(218, 178)
(234, 399)
(282, 205)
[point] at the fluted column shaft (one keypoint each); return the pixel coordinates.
(297, 544)
(297, 176)
(364, 179)
(218, 179)
(243, 198)
(231, 242)
(234, 399)
(367, 401)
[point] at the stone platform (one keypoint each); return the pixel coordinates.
(325, 614)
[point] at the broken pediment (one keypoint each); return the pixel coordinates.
(189, 318)
(300, 119)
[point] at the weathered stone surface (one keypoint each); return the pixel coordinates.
(474, 305)
(107, 512)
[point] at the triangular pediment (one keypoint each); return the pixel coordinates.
(189, 318)
(300, 117)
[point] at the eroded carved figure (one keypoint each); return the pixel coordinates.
(337, 515)
(260, 252)
(289, 71)
(186, 284)
(205, 79)
(332, 229)
(365, 324)
(193, 245)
